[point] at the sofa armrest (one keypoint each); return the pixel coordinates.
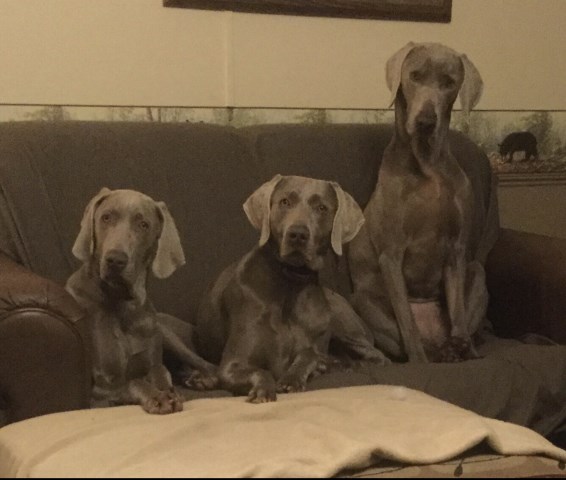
(44, 365)
(526, 280)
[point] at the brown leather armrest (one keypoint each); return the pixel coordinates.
(44, 364)
(526, 280)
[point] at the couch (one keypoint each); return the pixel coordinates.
(49, 171)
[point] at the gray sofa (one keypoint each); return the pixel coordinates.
(49, 171)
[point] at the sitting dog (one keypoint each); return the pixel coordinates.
(266, 319)
(416, 282)
(123, 234)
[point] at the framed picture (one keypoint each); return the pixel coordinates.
(413, 10)
(524, 147)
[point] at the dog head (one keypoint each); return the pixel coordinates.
(124, 233)
(302, 217)
(426, 79)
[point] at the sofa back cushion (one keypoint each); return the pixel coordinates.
(49, 171)
(204, 173)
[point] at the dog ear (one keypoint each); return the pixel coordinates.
(170, 255)
(348, 220)
(258, 208)
(472, 86)
(84, 243)
(393, 70)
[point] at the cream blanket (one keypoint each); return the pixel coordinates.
(314, 434)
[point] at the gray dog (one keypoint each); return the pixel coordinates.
(415, 282)
(123, 235)
(266, 319)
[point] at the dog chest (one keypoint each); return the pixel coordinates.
(119, 354)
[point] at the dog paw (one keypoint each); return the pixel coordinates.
(291, 384)
(176, 399)
(199, 380)
(378, 358)
(456, 349)
(163, 403)
(262, 394)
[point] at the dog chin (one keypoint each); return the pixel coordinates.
(117, 285)
(298, 259)
(423, 145)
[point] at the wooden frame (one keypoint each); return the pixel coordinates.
(412, 10)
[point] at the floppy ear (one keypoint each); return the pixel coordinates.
(393, 70)
(170, 255)
(258, 208)
(348, 220)
(472, 86)
(84, 243)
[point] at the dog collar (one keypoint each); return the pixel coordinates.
(302, 274)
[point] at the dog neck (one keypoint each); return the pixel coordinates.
(299, 274)
(134, 315)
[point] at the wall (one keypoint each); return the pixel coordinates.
(136, 52)
(105, 52)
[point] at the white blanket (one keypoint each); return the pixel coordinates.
(315, 434)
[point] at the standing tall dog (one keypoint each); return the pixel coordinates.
(124, 234)
(415, 284)
(266, 319)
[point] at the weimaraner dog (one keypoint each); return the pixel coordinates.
(123, 235)
(414, 283)
(266, 319)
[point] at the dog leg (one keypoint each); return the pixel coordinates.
(176, 342)
(476, 296)
(465, 306)
(454, 285)
(397, 290)
(383, 326)
(259, 383)
(197, 373)
(350, 329)
(160, 378)
(154, 400)
(295, 378)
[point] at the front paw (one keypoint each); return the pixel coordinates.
(417, 355)
(164, 402)
(378, 358)
(291, 384)
(199, 380)
(262, 393)
(456, 349)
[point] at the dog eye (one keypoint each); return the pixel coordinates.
(106, 217)
(144, 225)
(284, 202)
(416, 76)
(447, 82)
(322, 208)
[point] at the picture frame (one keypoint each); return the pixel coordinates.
(408, 10)
(524, 147)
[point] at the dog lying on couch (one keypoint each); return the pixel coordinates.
(266, 319)
(123, 235)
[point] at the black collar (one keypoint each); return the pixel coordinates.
(299, 274)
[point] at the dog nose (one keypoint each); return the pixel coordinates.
(426, 121)
(116, 260)
(298, 234)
